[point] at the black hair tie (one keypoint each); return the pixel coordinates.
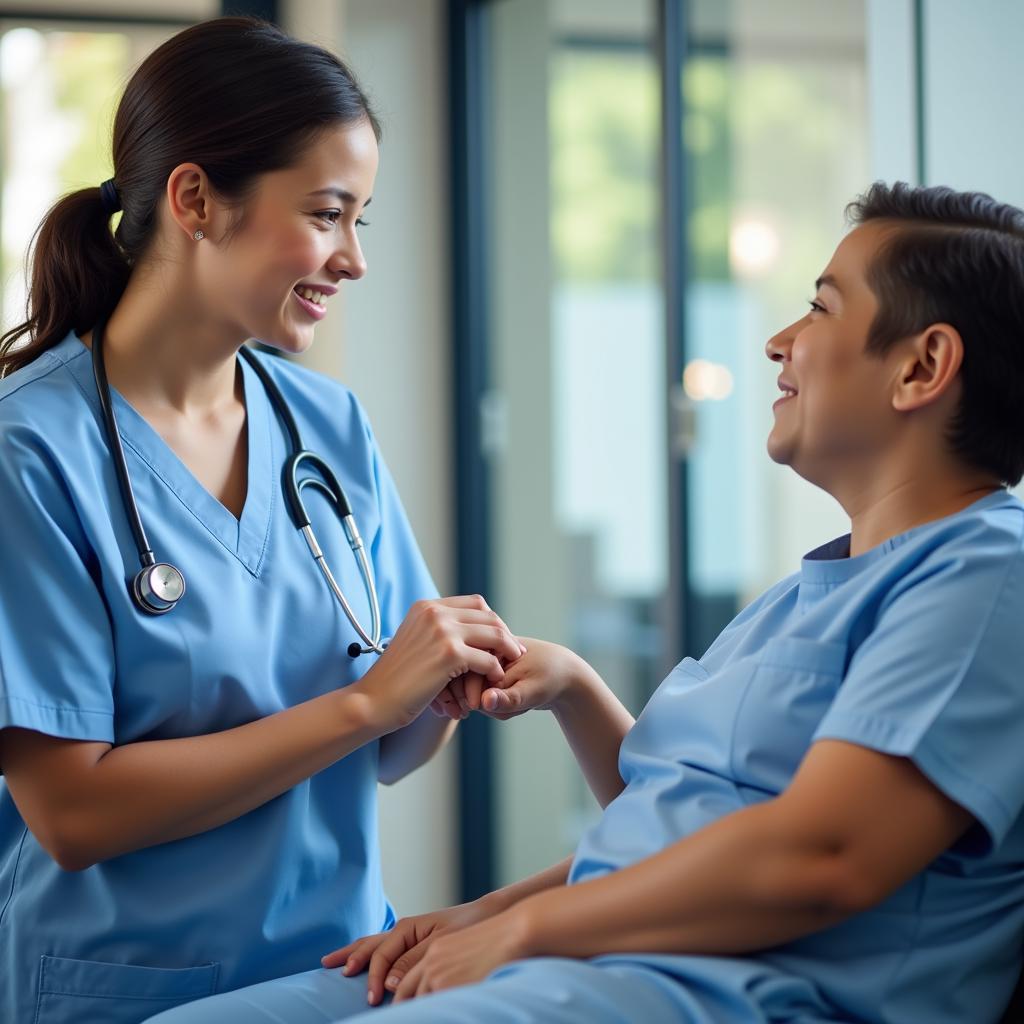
(109, 197)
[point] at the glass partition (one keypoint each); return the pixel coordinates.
(577, 419)
(577, 391)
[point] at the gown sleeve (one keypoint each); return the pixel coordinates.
(56, 645)
(939, 679)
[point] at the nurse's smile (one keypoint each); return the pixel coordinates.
(310, 299)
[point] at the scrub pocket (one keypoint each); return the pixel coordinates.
(792, 686)
(84, 990)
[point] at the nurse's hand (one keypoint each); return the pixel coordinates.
(392, 954)
(438, 642)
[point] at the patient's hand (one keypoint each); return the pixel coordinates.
(392, 954)
(538, 680)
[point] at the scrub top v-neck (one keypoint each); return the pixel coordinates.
(245, 536)
(256, 632)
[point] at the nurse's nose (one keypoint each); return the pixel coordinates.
(347, 260)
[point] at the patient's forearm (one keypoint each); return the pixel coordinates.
(734, 887)
(509, 895)
(594, 723)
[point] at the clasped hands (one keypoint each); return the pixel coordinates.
(455, 655)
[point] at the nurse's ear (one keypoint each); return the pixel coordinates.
(929, 368)
(192, 206)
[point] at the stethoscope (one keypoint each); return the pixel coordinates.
(159, 586)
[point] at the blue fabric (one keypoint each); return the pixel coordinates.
(913, 649)
(256, 632)
(608, 989)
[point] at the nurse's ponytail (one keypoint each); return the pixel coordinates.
(237, 96)
(78, 273)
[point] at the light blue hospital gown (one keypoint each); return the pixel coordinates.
(915, 649)
(257, 631)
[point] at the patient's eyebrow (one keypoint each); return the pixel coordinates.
(830, 281)
(339, 193)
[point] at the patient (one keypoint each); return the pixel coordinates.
(821, 819)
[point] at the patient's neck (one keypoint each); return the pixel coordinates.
(902, 495)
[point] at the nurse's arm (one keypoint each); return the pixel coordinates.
(87, 801)
(853, 827)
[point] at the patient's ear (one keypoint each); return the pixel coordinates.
(929, 367)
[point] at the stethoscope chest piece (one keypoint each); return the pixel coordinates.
(158, 588)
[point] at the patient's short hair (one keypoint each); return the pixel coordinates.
(958, 258)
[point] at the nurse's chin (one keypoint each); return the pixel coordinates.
(291, 343)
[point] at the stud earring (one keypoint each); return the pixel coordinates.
(198, 235)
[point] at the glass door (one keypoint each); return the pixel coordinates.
(629, 510)
(576, 401)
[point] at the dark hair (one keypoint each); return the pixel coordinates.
(958, 258)
(237, 96)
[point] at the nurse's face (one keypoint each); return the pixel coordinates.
(297, 243)
(835, 416)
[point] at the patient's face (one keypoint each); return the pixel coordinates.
(837, 419)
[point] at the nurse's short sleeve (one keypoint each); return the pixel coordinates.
(56, 651)
(401, 573)
(940, 679)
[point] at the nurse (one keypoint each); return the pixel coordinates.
(188, 802)
(822, 819)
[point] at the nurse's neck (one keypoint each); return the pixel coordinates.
(887, 500)
(167, 354)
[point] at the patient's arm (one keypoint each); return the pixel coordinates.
(853, 826)
(553, 678)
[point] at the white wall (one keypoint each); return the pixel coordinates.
(389, 340)
(973, 83)
(973, 78)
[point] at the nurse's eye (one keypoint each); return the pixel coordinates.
(333, 216)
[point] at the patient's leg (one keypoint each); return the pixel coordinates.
(315, 997)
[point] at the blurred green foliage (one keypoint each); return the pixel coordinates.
(88, 70)
(762, 134)
(605, 137)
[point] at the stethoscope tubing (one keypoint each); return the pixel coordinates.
(292, 485)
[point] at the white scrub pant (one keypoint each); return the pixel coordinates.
(607, 990)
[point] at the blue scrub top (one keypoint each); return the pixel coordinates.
(256, 632)
(914, 649)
